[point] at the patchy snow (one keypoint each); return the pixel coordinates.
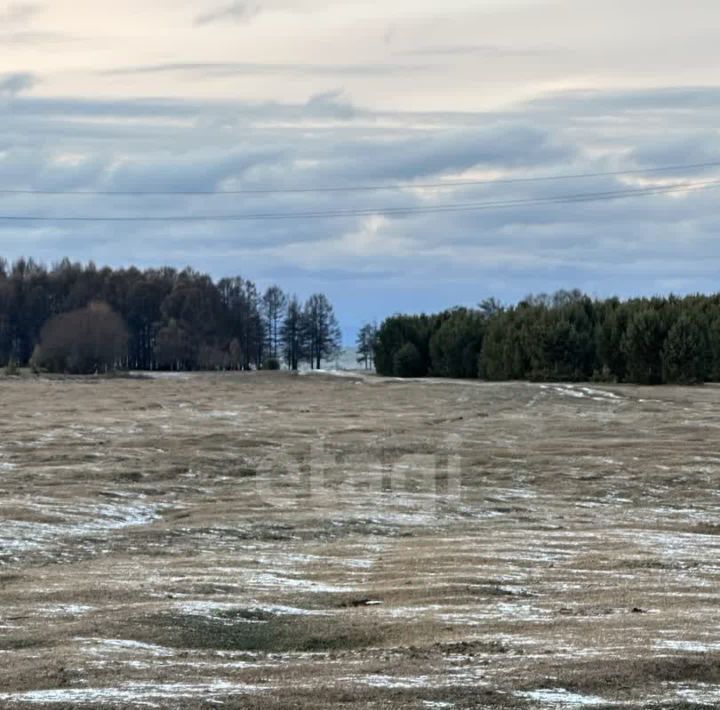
(213, 608)
(67, 609)
(131, 693)
(273, 581)
(357, 563)
(702, 693)
(458, 677)
(378, 680)
(578, 392)
(688, 646)
(567, 391)
(561, 698)
(599, 393)
(219, 414)
(354, 374)
(507, 611)
(98, 645)
(78, 520)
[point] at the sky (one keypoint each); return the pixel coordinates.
(412, 96)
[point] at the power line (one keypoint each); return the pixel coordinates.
(359, 188)
(389, 211)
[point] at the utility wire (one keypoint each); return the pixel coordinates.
(390, 211)
(361, 188)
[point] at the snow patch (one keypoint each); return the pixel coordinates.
(559, 697)
(131, 693)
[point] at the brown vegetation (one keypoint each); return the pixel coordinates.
(89, 340)
(300, 542)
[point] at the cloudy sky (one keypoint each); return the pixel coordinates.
(273, 95)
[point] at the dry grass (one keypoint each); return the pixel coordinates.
(269, 541)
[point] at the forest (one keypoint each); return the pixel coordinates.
(567, 336)
(80, 319)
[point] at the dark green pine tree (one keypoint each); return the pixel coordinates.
(643, 345)
(683, 353)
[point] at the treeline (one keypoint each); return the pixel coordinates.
(80, 318)
(564, 337)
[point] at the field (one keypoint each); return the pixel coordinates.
(270, 541)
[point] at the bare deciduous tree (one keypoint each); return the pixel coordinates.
(87, 340)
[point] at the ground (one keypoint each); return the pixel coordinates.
(270, 541)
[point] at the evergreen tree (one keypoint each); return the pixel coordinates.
(398, 330)
(611, 360)
(682, 355)
(455, 345)
(643, 345)
(493, 363)
(407, 362)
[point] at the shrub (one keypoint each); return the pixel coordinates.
(85, 341)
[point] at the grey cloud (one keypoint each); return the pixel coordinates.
(94, 108)
(13, 84)
(331, 103)
(221, 69)
(25, 37)
(603, 103)
(18, 13)
(235, 12)
(454, 258)
(482, 50)
(703, 147)
(434, 153)
(202, 172)
(389, 34)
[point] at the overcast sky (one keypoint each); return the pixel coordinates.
(178, 95)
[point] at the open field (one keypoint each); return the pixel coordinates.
(268, 541)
